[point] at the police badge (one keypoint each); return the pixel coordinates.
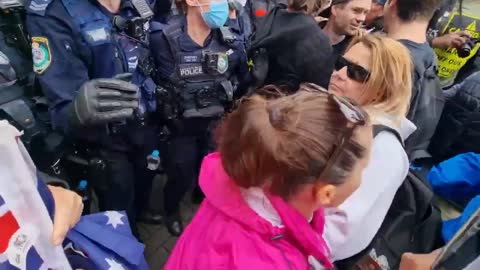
(222, 63)
(42, 57)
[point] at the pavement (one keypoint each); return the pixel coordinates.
(158, 242)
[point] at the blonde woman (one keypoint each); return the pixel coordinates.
(375, 72)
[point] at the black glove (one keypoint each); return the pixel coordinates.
(102, 101)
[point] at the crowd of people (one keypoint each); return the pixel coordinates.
(294, 123)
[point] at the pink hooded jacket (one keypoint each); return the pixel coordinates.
(227, 234)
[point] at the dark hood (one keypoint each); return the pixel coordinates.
(298, 50)
(283, 28)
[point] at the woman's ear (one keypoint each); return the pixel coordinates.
(324, 194)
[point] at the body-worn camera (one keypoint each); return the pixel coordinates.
(215, 62)
(133, 27)
(465, 50)
(210, 60)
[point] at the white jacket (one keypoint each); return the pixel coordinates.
(350, 228)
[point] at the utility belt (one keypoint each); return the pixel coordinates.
(210, 100)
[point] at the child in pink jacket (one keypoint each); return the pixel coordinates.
(279, 163)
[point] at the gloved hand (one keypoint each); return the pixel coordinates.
(102, 101)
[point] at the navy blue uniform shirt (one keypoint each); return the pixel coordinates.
(67, 61)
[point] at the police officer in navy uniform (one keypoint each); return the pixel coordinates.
(200, 61)
(80, 48)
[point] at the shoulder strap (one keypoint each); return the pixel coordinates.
(156, 26)
(430, 73)
(172, 32)
(379, 128)
(83, 12)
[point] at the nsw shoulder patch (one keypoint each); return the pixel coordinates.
(42, 56)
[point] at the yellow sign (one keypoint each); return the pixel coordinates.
(449, 63)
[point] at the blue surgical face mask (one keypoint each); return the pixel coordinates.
(217, 16)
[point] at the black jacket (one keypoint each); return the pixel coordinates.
(298, 50)
(459, 128)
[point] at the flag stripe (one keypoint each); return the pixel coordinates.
(8, 226)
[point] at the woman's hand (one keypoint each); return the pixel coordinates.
(68, 209)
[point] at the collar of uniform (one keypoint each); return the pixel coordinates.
(187, 44)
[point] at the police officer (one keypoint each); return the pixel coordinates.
(78, 46)
(199, 61)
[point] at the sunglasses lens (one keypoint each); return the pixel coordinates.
(354, 71)
(357, 73)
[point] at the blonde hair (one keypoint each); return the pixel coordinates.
(389, 88)
(308, 6)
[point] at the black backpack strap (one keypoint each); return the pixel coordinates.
(379, 128)
(172, 32)
(156, 26)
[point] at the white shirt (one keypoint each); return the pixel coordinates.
(352, 227)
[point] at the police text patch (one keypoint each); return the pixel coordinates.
(190, 70)
(42, 56)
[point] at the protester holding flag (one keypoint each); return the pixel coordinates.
(27, 206)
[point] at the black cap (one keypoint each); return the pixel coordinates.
(328, 11)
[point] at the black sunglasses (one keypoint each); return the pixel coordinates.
(354, 114)
(354, 71)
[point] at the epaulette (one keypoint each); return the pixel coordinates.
(38, 7)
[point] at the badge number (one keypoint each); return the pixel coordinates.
(42, 56)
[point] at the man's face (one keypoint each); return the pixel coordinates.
(350, 16)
